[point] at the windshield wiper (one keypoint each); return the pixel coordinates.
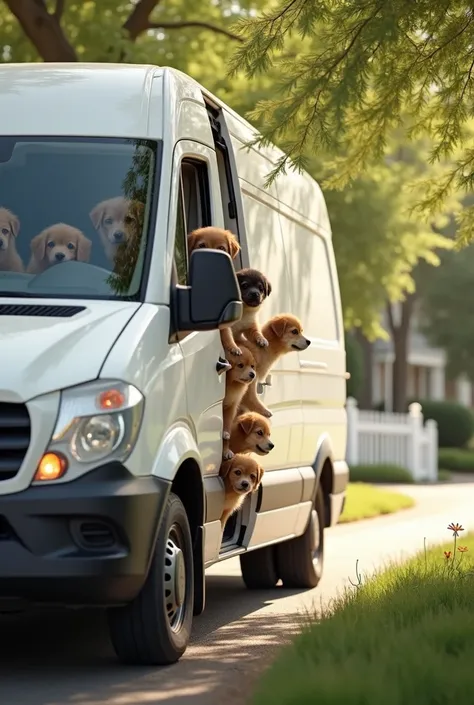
(19, 295)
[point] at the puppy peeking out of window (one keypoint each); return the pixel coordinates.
(254, 289)
(242, 475)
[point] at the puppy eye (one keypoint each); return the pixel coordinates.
(244, 285)
(252, 366)
(108, 221)
(50, 244)
(260, 287)
(5, 231)
(295, 331)
(238, 473)
(70, 246)
(221, 247)
(202, 244)
(253, 477)
(260, 433)
(241, 365)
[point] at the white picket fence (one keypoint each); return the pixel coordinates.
(377, 437)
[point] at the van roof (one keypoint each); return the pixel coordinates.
(76, 99)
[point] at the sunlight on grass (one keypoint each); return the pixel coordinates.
(403, 637)
(365, 501)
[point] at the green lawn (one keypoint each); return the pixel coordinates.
(403, 638)
(365, 501)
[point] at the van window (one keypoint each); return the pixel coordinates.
(180, 243)
(76, 215)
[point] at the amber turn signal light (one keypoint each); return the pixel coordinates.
(52, 466)
(111, 399)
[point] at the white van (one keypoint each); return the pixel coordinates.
(111, 384)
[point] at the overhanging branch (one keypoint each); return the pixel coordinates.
(191, 23)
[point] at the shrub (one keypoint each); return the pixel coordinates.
(380, 474)
(455, 422)
(459, 459)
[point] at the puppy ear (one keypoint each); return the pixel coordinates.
(38, 246)
(260, 472)
(267, 287)
(278, 326)
(137, 210)
(191, 242)
(96, 215)
(83, 245)
(247, 424)
(234, 246)
(14, 224)
(225, 468)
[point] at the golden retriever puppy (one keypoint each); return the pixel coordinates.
(251, 434)
(117, 220)
(56, 244)
(10, 260)
(215, 239)
(284, 334)
(242, 475)
(241, 374)
(254, 289)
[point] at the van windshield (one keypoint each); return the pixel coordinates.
(75, 216)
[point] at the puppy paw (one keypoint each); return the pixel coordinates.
(226, 436)
(267, 413)
(235, 351)
(261, 341)
(227, 455)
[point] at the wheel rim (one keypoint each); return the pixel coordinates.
(315, 536)
(175, 578)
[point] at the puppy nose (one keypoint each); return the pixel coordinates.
(252, 374)
(271, 445)
(119, 235)
(254, 295)
(59, 256)
(245, 485)
(2, 245)
(308, 342)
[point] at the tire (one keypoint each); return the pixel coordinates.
(259, 570)
(154, 629)
(300, 560)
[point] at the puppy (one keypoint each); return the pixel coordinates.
(56, 244)
(284, 334)
(241, 374)
(242, 475)
(251, 434)
(117, 220)
(10, 260)
(254, 289)
(214, 238)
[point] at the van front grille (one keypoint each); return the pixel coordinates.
(14, 438)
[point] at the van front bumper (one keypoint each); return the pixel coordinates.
(86, 542)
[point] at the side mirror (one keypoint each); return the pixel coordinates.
(212, 299)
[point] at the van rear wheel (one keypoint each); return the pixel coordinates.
(154, 629)
(300, 560)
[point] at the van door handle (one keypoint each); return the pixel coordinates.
(222, 365)
(310, 365)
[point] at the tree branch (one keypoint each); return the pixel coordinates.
(42, 29)
(191, 23)
(138, 20)
(59, 9)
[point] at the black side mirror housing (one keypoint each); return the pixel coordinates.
(212, 299)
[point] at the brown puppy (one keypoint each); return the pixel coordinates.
(10, 260)
(242, 475)
(214, 238)
(254, 289)
(284, 334)
(58, 243)
(117, 220)
(251, 434)
(238, 378)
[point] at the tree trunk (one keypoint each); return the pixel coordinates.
(42, 29)
(400, 346)
(366, 394)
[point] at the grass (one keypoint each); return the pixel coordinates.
(402, 638)
(444, 475)
(457, 459)
(379, 474)
(365, 501)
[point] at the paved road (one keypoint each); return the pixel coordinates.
(65, 658)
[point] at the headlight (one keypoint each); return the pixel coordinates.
(97, 421)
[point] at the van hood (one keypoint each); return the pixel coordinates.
(46, 353)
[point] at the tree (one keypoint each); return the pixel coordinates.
(363, 69)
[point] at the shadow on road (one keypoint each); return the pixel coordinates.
(61, 657)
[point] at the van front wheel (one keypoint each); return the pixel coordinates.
(155, 628)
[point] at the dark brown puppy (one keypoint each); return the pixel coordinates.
(242, 475)
(254, 289)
